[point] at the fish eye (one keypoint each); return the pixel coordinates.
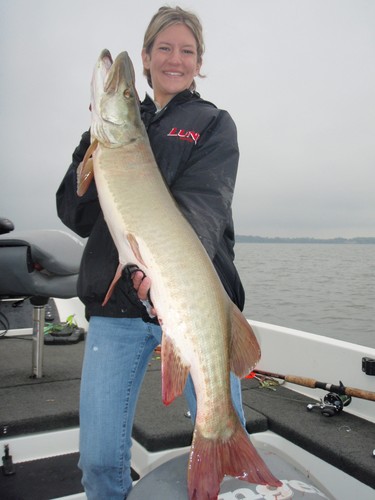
(127, 93)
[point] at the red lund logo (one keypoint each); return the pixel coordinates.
(185, 135)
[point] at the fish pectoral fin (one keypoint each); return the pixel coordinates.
(135, 248)
(244, 348)
(85, 170)
(113, 283)
(173, 369)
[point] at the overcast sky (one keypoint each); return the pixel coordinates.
(297, 76)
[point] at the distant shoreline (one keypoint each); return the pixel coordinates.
(240, 238)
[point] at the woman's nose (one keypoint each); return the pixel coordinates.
(175, 56)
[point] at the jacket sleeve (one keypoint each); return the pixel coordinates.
(78, 213)
(204, 189)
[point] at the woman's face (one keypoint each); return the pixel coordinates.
(173, 62)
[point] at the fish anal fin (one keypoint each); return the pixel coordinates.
(211, 459)
(85, 170)
(173, 370)
(244, 349)
(135, 248)
(113, 284)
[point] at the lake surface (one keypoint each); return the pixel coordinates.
(325, 289)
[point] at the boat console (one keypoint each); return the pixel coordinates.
(38, 265)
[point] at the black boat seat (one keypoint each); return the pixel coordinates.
(41, 263)
(38, 265)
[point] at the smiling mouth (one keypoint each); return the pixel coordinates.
(172, 73)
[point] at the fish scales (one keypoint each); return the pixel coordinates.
(204, 333)
(179, 283)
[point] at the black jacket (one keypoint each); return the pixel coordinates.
(195, 147)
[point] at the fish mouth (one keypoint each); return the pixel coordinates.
(113, 98)
(106, 58)
(121, 71)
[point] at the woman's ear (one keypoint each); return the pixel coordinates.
(198, 68)
(145, 59)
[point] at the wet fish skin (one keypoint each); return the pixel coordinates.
(204, 333)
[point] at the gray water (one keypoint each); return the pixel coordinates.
(325, 289)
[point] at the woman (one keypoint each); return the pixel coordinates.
(195, 147)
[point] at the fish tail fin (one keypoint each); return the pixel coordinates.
(210, 460)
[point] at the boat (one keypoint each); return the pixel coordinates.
(315, 436)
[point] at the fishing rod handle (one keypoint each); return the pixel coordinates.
(359, 393)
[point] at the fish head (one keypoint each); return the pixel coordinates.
(115, 113)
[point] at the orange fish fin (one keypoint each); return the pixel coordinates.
(174, 371)
(85, 171)
(113, 284)
(235, 456)
(244, 349)
(135, 247)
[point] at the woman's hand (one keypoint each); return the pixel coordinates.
(142, 286)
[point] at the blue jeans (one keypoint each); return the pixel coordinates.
(117, 354)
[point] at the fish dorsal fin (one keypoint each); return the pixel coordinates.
(85, 171)
(244, 349)
(174, 370)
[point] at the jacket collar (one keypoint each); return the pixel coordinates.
(148, 105)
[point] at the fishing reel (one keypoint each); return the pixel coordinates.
(331, 404)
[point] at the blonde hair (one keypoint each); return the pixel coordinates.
(168, 16)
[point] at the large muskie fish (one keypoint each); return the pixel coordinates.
(203, 331)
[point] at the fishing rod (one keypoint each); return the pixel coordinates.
(315, 384)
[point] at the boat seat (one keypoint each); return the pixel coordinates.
(38, 265)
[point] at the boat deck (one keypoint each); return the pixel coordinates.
(39, 405)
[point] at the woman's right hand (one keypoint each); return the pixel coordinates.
(142, 285)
